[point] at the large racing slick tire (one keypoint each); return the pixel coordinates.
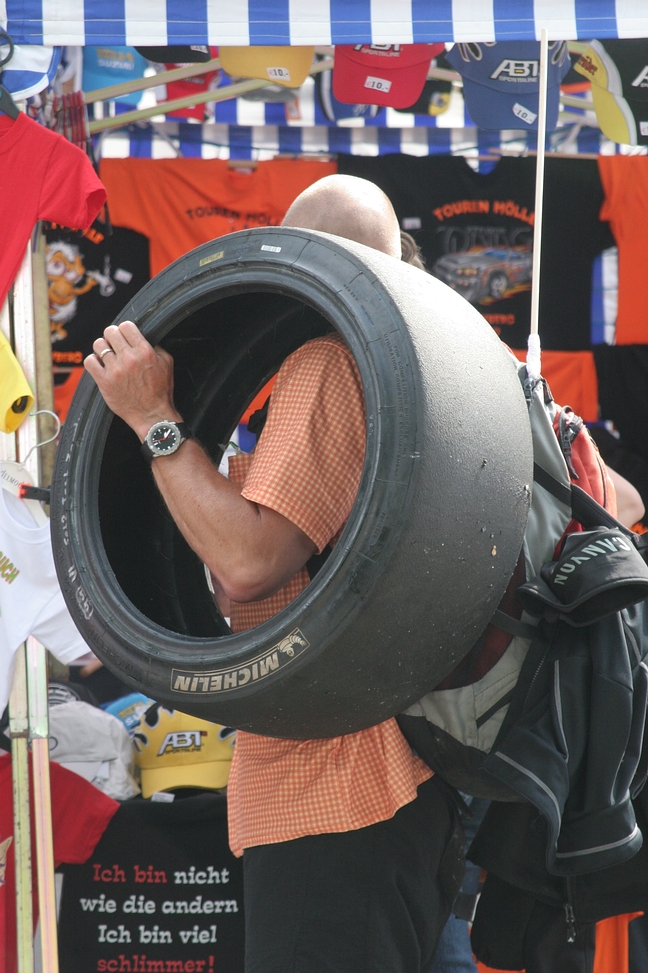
(431, 542)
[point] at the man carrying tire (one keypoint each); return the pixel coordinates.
(352, 849)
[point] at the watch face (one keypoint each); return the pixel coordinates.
(163, 438)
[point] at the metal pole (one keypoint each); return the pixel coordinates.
(18, 731)
(25, 343)
(39, 736)
(533, 355)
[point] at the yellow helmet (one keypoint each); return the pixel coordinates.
(177, 750)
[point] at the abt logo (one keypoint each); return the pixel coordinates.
(182, 740)
(514, 70)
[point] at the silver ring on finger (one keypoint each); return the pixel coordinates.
(105, 352)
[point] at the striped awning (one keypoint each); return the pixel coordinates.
(222, 141)
(323, 22)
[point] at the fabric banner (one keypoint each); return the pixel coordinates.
(260, 142)
(299, 22)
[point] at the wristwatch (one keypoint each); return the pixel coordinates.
(164, 438)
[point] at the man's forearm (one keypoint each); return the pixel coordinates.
(251, 549)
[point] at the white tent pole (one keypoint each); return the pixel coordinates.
(533, 355)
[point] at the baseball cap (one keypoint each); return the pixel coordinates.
(129, 709)
(177, 750)
(106, 66)
(288, 66)
(501, 81)
(94, 745)
(177, 54)
(391, 75)
(17, 398)
(434, 99)
(618, 70)
(338, 110)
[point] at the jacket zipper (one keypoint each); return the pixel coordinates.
(570, 919)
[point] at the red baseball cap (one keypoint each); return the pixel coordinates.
(391, 75)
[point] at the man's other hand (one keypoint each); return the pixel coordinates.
(135, 379)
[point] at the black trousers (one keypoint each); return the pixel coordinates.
(373, 900)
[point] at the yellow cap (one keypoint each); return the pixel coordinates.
(177, 750)
(612, 110)
(288, 66)
(16, 397)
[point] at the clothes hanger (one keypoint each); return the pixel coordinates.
(17, 480)
(7, 104)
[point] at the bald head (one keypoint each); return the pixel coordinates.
(348, 207)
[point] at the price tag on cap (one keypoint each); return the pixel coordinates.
(377, 84)
(278, 74)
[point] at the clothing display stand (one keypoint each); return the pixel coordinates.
(28, 713)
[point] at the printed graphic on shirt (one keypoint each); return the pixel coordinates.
(8, 571)
(485, 263)
(475, 231)
(91, 277)
(4, 848)
(162, 892)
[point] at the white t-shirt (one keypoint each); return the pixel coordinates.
(31, 602)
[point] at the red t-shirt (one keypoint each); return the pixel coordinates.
(80, 815)
(42, 177)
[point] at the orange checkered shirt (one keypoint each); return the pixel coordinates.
(307, 466)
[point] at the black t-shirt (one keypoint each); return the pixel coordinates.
(161, 892)
(476, 233)
(91, 277)
(622, 372)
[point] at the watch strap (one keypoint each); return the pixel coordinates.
(185, 433)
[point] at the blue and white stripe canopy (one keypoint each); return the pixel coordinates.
(245, 22)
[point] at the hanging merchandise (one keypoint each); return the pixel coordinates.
(106, 66)
(625, 182)
(95, 745)
(162, 892)
(177, 750)
(335, 110)
(129, 709)
(392, 75)
(190, 86)
(289, 66)
(177, 54)
(80, 815)
(90, 278)
(181, 203)
(42, 176)
(618, 70)
(16, 397)
(502, 81)
(31, 602)
(476, 234)
(434, 100)
(623, 379)
(30, 70)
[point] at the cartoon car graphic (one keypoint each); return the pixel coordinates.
(484, 273)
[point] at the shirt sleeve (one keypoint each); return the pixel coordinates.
(72, 193)
(608, 169)
(308, 462)
(55, 629)
(80, 815)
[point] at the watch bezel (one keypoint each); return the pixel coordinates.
(155, 449)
